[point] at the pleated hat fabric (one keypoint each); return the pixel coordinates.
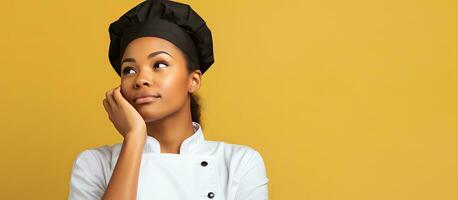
(173, 21)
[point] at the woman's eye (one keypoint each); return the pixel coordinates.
(156, 65)
(160, 64)
(127, 69)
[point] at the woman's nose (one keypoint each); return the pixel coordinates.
(143, 79)
(142, 83)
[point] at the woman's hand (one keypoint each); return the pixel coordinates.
(123, 115)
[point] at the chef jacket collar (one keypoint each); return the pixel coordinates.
(189, 145)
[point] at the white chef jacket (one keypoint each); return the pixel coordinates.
(202, 170)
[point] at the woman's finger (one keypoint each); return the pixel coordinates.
(118, 96)
(107, 108)
(110, 100)
(112, 97)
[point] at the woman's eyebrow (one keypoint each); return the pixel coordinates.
(149, 56)
(158, 52)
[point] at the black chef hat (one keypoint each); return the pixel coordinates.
(172, 21)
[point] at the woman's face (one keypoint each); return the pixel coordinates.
(155, 66)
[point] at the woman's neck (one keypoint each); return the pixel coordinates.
(171, 131)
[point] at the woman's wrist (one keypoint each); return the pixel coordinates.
(135, 137)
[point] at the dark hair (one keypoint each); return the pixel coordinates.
(195, 99)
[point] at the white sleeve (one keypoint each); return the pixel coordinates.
(87, 179)
(254, 182)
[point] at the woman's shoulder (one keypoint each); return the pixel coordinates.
(233, 149)
(241, 159)
(91, 168)
(95, 158)
(237, 154)
(96, 153)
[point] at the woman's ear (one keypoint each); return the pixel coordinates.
(195, 81)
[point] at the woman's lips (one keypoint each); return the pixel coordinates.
(146, 99)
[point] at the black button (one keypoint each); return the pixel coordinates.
(211, 195)
(204, 163)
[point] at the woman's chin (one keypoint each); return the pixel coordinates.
(148, 115)
(144, 107)
(150, 118)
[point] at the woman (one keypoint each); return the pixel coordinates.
(160, 50)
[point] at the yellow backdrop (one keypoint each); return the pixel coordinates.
(344, 100)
